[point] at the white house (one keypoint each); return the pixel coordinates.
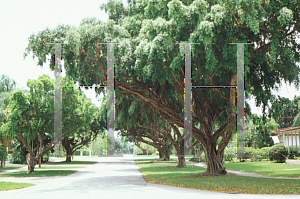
(287, 136)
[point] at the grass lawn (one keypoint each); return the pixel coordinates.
(169, 174)
(74, 162)
(39, 173)
(10, 167)
(267, 168)
(4, 186)
(146, 161)
(58, 167)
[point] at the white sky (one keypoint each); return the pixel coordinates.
(19, 19)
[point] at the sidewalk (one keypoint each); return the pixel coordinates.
(240, 173)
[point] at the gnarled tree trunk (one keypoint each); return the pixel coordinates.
(180, 154)
(67, 145)
(31, 162)
(161, 155)
(214, 161)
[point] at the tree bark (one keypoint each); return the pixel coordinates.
(167, 156)
(180, 154)
(30, 162)
(67, 145)
(214, 161)
(161, 155)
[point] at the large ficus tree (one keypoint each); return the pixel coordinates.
(31, 115)
(149, 65)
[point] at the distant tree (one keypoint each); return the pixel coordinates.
(284, 111)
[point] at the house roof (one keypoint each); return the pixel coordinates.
(280, 131)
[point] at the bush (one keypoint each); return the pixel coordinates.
(278, 153)
(228, 154)
(18, 158)
(203, 157)
(294, 152)
(263, 152)
(85, 153)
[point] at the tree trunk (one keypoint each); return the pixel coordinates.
(40, 161)
(67, 145)
(180, 154)
(161, 155)
(214, 163)
(166, 157)
(30, 162)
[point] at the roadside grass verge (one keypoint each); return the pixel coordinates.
(146, 161)
(267, 168)
(10, 167)
(39, 173)
(169, 174)
(5, 186)
(74, 162)
(58, 167)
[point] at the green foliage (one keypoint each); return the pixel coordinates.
(229, 153)
(148, 58)
(263, 152)
(296, 121)
(293, 153)
(137, 150)
(278, 153)
(285, 111)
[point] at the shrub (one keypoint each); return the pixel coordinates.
(229, 154)
(263, 152)
(278, 153)
(18, 158)
(294, 152)
(203, 157)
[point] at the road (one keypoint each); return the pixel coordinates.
(110, 178)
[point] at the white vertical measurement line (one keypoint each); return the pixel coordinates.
(240, 100)
(187, 102)
(110, 103)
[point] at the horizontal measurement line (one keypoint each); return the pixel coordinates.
(82, 86)
(110, 43)
(240, 43)
(214, 86)
(57, 43)
(187, 43)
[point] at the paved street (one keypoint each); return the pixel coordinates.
(111, 177)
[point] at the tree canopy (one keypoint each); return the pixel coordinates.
(149, 65)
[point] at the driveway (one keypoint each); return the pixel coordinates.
(111, 177)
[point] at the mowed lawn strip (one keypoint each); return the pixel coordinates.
(59, 167)
(10, 167)
(267, 168)
(74, 162)
(39, 173)
(5, 186)
(169, 174)
(146, 161)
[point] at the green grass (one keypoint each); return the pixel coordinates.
(169, 174)
(4, 186)
(74, 162)
(39, 173)
(146, 161)
(10, 167)
(267, 168)
(58, 167)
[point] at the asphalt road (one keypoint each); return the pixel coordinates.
(111, 178)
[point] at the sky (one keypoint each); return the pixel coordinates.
(21, 18)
